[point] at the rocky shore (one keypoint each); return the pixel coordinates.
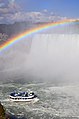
(3, 114)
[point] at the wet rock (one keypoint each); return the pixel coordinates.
(2, 112)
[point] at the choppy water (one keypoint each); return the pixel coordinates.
(55, 101)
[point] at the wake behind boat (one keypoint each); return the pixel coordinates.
(23, 96)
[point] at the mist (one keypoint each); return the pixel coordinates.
(42, 57)
(55, 57)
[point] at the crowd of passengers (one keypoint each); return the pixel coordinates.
(23, 94)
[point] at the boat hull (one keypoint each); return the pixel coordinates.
(27, 100)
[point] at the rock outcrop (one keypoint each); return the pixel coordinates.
(2, 112)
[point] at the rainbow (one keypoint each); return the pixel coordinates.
(23, 35)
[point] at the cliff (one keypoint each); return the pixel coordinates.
(2, 112)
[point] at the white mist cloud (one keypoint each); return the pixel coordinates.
(50, 57)
(7, 9)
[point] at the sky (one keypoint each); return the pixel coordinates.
(40, 10)
(67, 8)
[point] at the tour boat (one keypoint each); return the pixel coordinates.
(23, 96)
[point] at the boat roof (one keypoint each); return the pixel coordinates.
(23, 94)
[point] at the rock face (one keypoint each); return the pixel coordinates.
(2, 112)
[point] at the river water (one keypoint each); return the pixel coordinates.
(59, 101)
